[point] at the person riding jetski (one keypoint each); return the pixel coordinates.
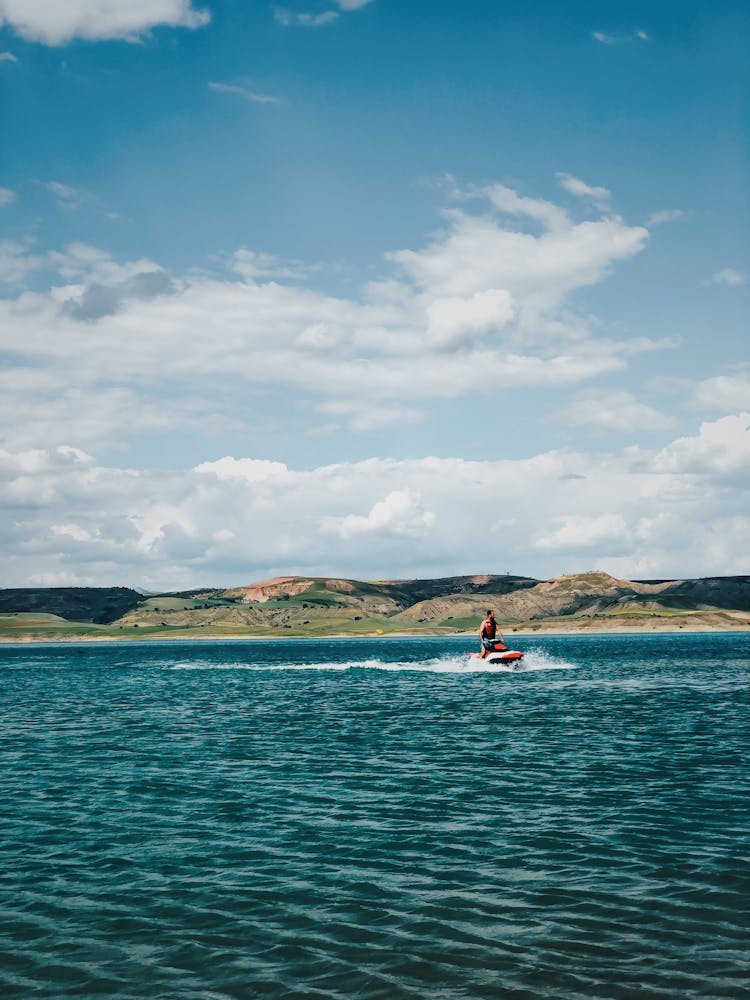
(491, 635)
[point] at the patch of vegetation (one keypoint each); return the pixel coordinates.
(468, 624)
(167, 603)
(322, 599)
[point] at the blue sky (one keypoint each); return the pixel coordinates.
(328, 287)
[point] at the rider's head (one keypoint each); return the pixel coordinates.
(490, 613)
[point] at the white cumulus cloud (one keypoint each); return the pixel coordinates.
(575, 532)
(400, 513)
(55, 22)
(679, 511)
(730, 393)
(721, 446)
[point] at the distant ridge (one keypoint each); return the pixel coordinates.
(307, 605)
(84, 604)
(403, 592)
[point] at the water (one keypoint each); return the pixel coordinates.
(372, 818)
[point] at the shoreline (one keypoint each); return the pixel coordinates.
(523, 635)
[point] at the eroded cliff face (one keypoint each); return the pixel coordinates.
(269, 590)
(577, 594)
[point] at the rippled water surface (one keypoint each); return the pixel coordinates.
(375, 819)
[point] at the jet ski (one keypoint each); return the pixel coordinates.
(498, 654)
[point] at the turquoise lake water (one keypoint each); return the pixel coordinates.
(325, 818)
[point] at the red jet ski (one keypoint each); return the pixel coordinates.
(498, 654)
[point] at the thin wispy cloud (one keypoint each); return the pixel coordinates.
(7, 57)
(666, 215)
(606, 39)
(728, 276)
(6, 196)
(74, 198)
(245, 92)
(64, 195)
(600, 196)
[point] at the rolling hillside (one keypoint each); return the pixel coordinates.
(333, 606)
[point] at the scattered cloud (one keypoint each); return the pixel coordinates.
(17, 262)
(478, 296)
(728, 276)
(612, 411)
(600, 196)
(288, 18)
(6, 196)
(7, 56)
(316, 20)
(306, 19)
(245, 92)
(681, 511)
(53, 23)
(478, 251)
(253, 265)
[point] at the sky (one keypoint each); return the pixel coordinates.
(373, 289)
